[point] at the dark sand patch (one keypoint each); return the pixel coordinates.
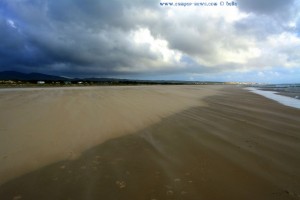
(241, 146)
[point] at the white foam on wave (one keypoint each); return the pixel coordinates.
(288, 101)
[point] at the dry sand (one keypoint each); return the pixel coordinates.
(169, 142)
(39, 126)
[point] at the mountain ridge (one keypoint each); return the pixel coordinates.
(19, 76)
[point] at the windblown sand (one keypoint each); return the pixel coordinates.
(147, 142)
(40, 126)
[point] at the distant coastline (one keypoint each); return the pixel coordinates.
(18, 79)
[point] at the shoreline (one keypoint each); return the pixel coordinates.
(280, 97)
(289, 90)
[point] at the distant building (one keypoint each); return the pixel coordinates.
(41, 82)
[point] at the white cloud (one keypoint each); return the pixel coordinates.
(143, 38)
(279, 50)
(11, 23)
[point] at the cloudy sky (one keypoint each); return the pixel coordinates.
(257, 40)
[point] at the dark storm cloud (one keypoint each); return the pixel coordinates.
(267, 16)
(70, 34)
(15, 50)
(265, 6)
(75, 37)
(258, 27)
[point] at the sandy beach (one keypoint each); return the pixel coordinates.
(147, 142)
(42, 125)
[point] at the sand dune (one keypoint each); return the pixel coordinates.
(196, 142)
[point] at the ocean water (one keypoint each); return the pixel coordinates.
(292, 90)
(285, 100)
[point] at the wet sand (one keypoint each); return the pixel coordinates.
(221, 143)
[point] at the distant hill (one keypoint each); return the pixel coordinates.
(13, 75)
(18, 76)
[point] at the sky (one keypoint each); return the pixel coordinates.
(242, 40)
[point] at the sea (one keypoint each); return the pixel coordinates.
(286, 94)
